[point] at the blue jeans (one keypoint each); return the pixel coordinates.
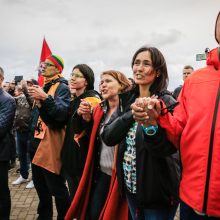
(5, 198)
(187, 213)
(149, 214)
(22, 146)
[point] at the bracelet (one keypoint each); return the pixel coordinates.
(151, 130)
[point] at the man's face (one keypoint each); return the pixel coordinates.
(49, 69)
(5, 86)
(186, 73)
(12, 85)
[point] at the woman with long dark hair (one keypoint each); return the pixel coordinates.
(146, 169)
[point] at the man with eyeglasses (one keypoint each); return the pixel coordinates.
(187, 70)
(49, 117)
(7, 112)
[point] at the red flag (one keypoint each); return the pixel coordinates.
(45, 52)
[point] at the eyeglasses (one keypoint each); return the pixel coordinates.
(47, 64)
(76, 75)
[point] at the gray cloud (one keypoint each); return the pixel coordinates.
(104, 34)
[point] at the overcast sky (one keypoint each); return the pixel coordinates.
(105, 34)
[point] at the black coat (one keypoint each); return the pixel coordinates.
(7, 112)
(73, 156)
(176, 92)
(156, 168)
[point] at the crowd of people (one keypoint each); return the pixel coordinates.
(132, 150)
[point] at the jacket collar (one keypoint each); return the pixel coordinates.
(213, 58)
(105, 106)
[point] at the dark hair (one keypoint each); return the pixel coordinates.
(217, 31)
(87, 73)
(188, 67)
(159, 65)
(33, 81)
(133, 84)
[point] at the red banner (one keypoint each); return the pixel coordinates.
(45, 52)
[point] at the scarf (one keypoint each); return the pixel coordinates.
(49, 79)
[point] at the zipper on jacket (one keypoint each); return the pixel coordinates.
(210, 151)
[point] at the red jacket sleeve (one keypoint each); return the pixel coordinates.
(175, 123)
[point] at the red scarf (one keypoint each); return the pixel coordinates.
(115, 207)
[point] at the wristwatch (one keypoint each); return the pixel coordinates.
(151, 130)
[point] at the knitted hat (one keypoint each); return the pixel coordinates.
(87, 73)
(57, 60)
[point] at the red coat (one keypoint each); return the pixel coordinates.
(195, 127)
(115, 207)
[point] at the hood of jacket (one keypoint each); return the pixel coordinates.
(213, 58)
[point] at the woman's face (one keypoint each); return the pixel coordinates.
(17, 92)
(77, 81)
(109, 86)
(144, 73)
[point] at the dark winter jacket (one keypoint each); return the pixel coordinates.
(74, 154)
(54, 111)
(7, 112)
(176, 92)
(30, 100)
(157, 171)
(22, 114)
